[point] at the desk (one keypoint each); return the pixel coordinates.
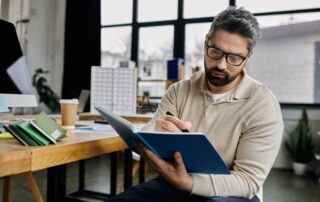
(16, 159)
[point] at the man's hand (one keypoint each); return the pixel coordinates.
(171, 124)
(174, 172)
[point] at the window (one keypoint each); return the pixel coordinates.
(285, 60)
(115, 45)
(278, 20)
(203, 8)
(157, 31)
(116, 12)
(155, 48)
(155, 10)
(194, 46)
(276, 5)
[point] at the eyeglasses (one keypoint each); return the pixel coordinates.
(232, 59)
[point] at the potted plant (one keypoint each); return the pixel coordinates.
(299, 145)
(46, 94)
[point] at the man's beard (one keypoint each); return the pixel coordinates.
(219, 81)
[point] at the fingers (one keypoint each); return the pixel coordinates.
(157, 163)
(181, 125)
(179, 161)
(163, 125)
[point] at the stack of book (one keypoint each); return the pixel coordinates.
(41, 131)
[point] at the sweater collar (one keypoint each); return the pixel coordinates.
(242, 91)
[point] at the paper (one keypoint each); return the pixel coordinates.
(3, 105)
(19, 74)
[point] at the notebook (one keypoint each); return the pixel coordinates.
(198, 154)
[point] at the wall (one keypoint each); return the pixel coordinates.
(41, 34)
(291, 117)
(46, 39)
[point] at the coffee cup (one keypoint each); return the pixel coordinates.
(68, 112)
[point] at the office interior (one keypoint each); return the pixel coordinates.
(68, 37)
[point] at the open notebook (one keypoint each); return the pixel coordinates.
(199, 155)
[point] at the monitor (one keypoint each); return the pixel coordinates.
(16, 89)
(14, 74)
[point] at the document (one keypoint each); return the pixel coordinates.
(19, 74)
(198, 154)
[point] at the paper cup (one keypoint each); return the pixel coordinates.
(68, 112)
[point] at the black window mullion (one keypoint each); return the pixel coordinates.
(179, 33)
(135, 33)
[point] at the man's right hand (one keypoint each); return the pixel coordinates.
(171, 124)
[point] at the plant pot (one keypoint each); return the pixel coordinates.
(299, 168)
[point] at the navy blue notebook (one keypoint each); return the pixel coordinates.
(198, 154)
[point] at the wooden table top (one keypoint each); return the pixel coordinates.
(16, 158)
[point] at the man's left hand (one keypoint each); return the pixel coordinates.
(174, 172)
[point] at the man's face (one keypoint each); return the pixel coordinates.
(218, 70)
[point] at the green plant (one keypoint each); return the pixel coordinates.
(299, 141)
(46, 94)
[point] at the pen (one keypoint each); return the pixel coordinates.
(101, 121)
(183, 130)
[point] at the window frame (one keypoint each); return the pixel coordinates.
(179, 34)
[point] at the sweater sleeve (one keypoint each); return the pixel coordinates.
(256, 152)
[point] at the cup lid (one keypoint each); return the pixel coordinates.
(69, 101)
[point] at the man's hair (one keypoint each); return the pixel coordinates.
(239, 21)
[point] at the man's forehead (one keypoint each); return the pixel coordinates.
(225, 39)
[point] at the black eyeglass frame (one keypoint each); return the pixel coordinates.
(224, 54)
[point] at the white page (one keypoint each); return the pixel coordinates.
(19, 74)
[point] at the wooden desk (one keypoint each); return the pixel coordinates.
(75, 147)
(16, 159)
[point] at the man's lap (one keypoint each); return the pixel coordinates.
(159, 189)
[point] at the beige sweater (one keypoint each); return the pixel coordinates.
(245, 126)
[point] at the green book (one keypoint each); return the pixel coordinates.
(48, 127)
(21, 136)
(33, 133)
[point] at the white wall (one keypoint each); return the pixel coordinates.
(46, 39)
(291, 117)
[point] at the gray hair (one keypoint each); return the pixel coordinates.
(239, 21)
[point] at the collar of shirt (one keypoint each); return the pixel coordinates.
(242, 91)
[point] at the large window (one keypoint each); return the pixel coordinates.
(155, 10)
(115, 45)
(150, 32)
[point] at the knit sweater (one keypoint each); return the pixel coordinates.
(245, 126)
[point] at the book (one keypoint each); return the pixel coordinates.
(41, 131)
(28, 129)
(198, 154)
(48, 127)
(26, 134)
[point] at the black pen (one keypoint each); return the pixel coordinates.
(101, 121)
(170, 114)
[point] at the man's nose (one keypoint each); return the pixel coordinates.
(222, 63)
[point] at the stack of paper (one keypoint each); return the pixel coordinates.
(41, 131)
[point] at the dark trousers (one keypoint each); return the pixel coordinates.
(159, 189)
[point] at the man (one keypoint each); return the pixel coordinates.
(240, 116)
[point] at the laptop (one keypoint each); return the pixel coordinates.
(83, 99)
